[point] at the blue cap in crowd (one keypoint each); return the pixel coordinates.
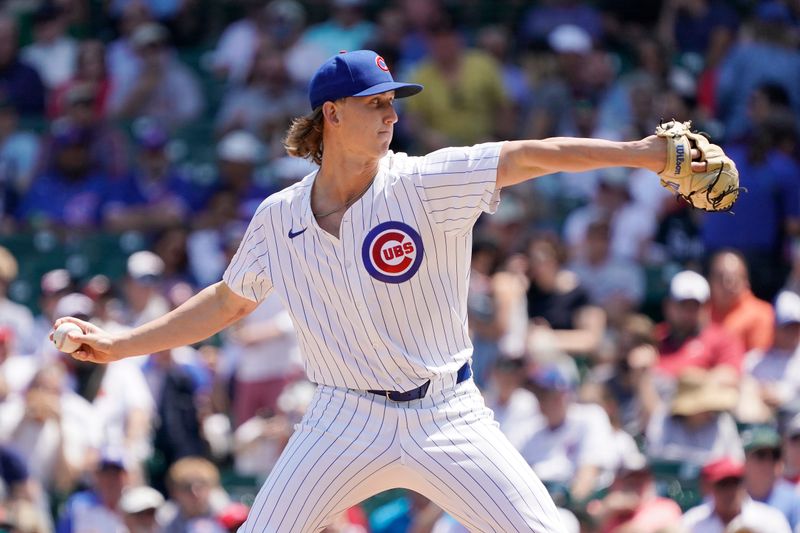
(357, 73)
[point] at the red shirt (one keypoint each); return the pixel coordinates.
(712, 347)
(651, 516)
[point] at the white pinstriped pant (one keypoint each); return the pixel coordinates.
(352, 445)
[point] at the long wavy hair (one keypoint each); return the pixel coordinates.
(304, 138)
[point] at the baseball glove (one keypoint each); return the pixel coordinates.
(715, 189)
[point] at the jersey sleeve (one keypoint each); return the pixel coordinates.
(248, 274)
(456, 185)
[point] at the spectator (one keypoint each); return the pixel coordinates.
(769, 170)
(13, 316)
(632, 228)
(733, 305)
(53, 429)
(791, 451)
(614, 284)
(776, 370)
(482, 309)
(106, 144)
(142, 288)
(259, 441)
(81, 190)
(265, 104)
(566, 441)
(118, 392)
(53, 286)
(19, 151)
(53, 52)
(19, 83)
(239, 192)
(121, 56)
(196, 495)
(160, 86)
(97, 508)
(729, 505)
(177, 385)
(513, 405)
(762, 473)
(157, 195)
(265, 356)
(768, 57)
(633, 502)
(140, 506)
(687, 339)
(237, 46)
(497, 41)
(17, 483)
(91, 72)
(464, 101)
(705, 28)
(285, 24)
(538, 21)
(558, 303)
(234, 515)
(696, 428)
(574, 83)
(629, 384)
(16, 371)
(347, 29)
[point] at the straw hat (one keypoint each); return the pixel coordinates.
(697, 393)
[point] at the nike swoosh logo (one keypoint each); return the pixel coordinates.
(293, 234)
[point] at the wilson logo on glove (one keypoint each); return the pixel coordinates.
(714, 189)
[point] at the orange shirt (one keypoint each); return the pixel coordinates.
(750, 319)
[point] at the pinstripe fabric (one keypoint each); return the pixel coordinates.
(384, 306)
(356, 330)
(447, 447)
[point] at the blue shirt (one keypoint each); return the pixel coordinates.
(746, 67)
(773, 194)
(22, 85)
(55, 200)
(175, 188)
(784, 498)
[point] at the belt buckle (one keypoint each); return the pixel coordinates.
(389, 396)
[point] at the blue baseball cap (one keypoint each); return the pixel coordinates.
(357, 73)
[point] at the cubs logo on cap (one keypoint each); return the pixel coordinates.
(392, 252)
(355, 74)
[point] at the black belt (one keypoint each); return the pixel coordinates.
(464, 373)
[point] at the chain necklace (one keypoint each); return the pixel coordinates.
(348, 203)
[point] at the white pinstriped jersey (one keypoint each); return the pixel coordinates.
(384, 305)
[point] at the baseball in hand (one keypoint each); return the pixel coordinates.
(64, 343)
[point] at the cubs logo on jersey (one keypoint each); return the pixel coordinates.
(392, 252)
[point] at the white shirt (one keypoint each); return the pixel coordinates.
(274, 358)
(18, 371)
(20, 320)
(758, 517)
(39, 443)
(630, 227)
(515, 416)
(384, 306)
(55, 62)
(584, 438)
(671, 440)
(778, 369)
(236, 49)
(122, 390)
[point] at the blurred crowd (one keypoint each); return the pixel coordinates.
(642, 356)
